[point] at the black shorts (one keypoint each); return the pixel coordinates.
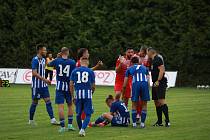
(160, 91)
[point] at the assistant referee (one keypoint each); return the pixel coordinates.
(159, 86)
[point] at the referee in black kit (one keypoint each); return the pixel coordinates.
(159, 86)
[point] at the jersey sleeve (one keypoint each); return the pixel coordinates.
(73, 65)
(52, 63)
(113, 108)
(72, 77)
(34, 64)
(92, 77)
(127, 73)
(159, 61)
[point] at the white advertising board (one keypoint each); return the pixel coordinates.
(103, 77)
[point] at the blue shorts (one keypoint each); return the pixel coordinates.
(38, 93)
(61, 96)
(84, 105)
(140, 91)
(120, 121)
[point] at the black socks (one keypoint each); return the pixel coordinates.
(159, 114)
(165, 112)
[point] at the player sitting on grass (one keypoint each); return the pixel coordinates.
(118, 115)
(140, 88)
(83, 80)
(64, 67)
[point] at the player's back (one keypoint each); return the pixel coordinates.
(63, 67)
(139, 73)
(83, 78)
(120, 108)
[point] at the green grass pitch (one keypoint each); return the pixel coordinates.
(189, 113)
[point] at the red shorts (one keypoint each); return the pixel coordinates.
(118, 87)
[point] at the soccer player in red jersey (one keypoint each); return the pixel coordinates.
(121, 66)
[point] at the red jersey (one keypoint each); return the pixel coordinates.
(120, 75)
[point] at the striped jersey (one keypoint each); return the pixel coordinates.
(139, 73)
(83, 79)
(39, 65)
(63, 67)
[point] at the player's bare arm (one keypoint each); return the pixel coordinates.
(93, 87)
(161, 73)
(35, 74)
(124, 86)
(98, 65)
(71, 87)
(148, 80)
(118, 68)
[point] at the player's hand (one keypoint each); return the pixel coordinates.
(100, 63)
(121, 58)
(156, 84)
(59, 55)
(47, 81)
(101, 124)
(74, 101)
(123, 98)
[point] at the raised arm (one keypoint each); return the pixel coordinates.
(98, 65)
(119, 64)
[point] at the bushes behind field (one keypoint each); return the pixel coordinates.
(179, 29)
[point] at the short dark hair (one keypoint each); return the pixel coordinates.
(81, 52)
(134, 60)
(40, 46)
(144, 49)
(109, 97)
(129, 48)
(151, 49)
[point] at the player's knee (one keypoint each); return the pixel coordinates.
(47, 101)
(104, 115)
(156, 103)
(35, 102)
(134, 105)
(70, 104)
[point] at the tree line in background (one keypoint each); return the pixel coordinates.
(179, 29)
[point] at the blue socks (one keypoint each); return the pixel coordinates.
(70, 119)
(143, 115)
(86, 121)
(32, 111)
(134, 112)
(79, 121)
(49, 109)
(62, 122)
(99, 120)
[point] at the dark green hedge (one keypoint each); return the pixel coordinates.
(179, 29)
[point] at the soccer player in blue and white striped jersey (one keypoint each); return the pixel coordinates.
(83, 81)
(39, 85)
(140, 88)
(64, 66)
